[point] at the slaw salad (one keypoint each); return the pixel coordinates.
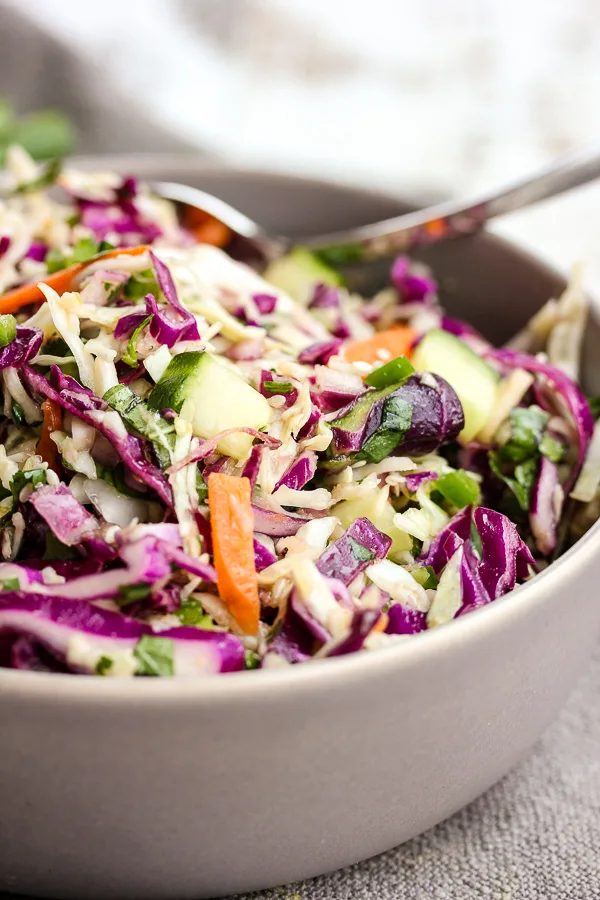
(204, 469)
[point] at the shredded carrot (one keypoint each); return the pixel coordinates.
(382, 346)
(231, 523)
(61, 281)
(46, 447)
(205, 228)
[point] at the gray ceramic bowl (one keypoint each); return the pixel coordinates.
(181, 789)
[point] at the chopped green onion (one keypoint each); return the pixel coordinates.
(278, 387)
(84, 249)
(8, 329)
(55, 261)
(154, 656)
(139, 285)
(459, 488)
(104, 665)
(396, 371)
(130, 355)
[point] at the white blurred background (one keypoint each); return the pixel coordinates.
(421, 98)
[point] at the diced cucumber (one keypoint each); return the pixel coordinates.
(299, 272)
(221, 399)
(377, 508)
(472, 378)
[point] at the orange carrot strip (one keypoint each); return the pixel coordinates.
(60, 281)
(205, 228)
(52, 422)
(382, 346)
(231, 524)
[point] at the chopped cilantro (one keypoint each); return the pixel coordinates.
(154, 655)
(104, 665)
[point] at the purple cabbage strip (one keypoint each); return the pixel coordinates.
(414, 480)
(299, 472)
(316, 629)
(54, 622)
(363, 623)
(325, 297)
(69, 521)
(321, 352)
(265, 303)
(566, 387)
(131, 449)
(128, 324)
(310, 425)
(276, 524)
(189, 327)
(22, 348)
(294, 642)
(354, 551)
(405, 620)
(252, 466)
(262, 556)
(546, 502)
(37, 251)
(437, 416)
(5, 243)
(412, 288)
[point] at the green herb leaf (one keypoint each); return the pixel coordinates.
(552, 449)
(135, 413)
(396, 371)
(359, 552)
(131, 593)
(395, 421)
(104, 665)
(44, 134)
(522, 482)
(20, 479)
(459, 488)
(85, 248)
(476, 541)
(340, 255)
(130, 355)
(139, 285)
(278, 387)
(55, 261)
(190, 612)
(55, 549)
(11, 584)
(202, 488)
(154, 656)
(251, 660)
(527, 429)
(379, 446)
(8, 329)
(18, 414)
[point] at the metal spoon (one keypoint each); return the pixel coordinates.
(382, 239)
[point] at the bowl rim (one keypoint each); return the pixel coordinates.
(414, 651)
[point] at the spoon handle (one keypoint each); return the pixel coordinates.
(457, 219)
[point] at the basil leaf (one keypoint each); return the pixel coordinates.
(154, 656)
